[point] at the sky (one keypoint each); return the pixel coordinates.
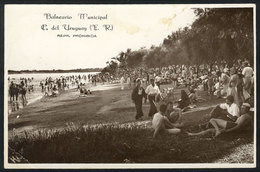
(28, 47)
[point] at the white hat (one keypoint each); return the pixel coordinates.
(246, 105)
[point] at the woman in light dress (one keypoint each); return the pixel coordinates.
(232, 89)
(122, 81)
(225, 81)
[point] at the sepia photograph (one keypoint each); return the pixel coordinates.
(129, 86)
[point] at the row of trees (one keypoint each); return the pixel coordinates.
(217, 34)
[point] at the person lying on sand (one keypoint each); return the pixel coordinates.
(228, 111)
(224, 126)
(161, 123)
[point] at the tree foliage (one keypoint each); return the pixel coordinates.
(216, 34)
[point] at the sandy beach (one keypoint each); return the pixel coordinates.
(107, 104)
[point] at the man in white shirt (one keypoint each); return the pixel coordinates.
(152, 90)
(248, 73)
(228, 111)
(161, 123)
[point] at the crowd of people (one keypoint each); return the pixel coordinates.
(16, 89)
(49, 87)
(234, 83)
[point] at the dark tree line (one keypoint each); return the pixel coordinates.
(216, 34)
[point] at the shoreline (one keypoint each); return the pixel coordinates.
(106, 104)
(41, 95)
(40, 102)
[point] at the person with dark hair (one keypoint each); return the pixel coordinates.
(228, 111)
(161, 123)
(174, 79)
(210, 83)
(184, 101)
(23, 90)
(137, 96)
(12, 91)
(152, 90)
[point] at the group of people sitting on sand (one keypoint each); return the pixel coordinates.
(224, 118)
(155, 96)
(234, 82)
(83, 90)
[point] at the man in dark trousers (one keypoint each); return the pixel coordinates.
(152, 90)
(137, 97)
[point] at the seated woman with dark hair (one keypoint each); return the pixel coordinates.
(184, 101)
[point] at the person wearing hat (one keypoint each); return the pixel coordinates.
(223, 126)
(137, 96)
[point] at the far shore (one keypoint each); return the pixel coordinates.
(10, 72)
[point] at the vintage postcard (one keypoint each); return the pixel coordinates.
(129, 86)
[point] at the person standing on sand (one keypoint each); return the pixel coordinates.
(247, 72)
(225, 81)
(232, 89)
(128, 81)
(152, 90)
(157, 81)
(137, 97)
(122, 80)
(11, 91)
